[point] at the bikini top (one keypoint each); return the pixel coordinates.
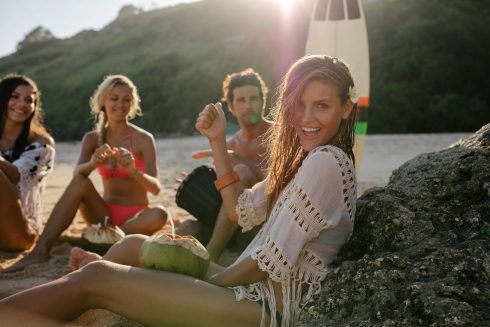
(108, 171)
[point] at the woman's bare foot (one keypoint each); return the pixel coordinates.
(79, 258)
(30, 259)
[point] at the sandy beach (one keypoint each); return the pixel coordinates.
(382, 154)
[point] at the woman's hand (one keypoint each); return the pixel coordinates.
(211, 122)
(101, 154)
(207, 154)
(202, 154)
(125, 160)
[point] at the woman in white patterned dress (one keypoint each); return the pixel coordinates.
(306, 208)
(26, 157)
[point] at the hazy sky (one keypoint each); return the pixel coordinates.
(64, 18)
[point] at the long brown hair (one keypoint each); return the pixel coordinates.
(33, 126)
(284, 150)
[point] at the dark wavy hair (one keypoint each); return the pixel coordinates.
(243, 78)
(33, 126)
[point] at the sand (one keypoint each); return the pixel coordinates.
(57, 265)
(174, 156)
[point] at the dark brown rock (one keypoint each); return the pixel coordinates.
(419, 254)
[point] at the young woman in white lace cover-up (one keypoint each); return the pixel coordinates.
(26, 157)
(306, 207)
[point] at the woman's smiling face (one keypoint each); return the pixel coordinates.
(118, 102)
(21, 104)
(318, 114)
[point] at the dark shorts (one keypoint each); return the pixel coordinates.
(198, 196)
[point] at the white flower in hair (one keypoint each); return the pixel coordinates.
(353, 94)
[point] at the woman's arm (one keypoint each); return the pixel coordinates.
(212, 124)
(90, 156)
(32, 157)
(148, 180)
(9, 170)
(244, 272)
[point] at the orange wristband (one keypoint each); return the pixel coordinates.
(226, 180)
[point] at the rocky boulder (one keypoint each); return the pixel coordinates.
(419, 254)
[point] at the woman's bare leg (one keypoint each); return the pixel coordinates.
(126, 252)
(151, 297)
(45, 305)
(15, 233)
(147, 221)
(196, 229)
(80, 190)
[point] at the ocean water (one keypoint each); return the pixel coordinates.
(382, 154)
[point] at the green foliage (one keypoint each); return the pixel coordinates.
(428, 62)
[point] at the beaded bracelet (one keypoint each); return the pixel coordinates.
(226, 180)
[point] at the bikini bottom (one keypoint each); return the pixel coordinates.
(119, 213)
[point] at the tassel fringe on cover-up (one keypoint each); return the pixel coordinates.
(312, 218)
(34, 163)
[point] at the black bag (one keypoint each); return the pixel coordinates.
(198, 195)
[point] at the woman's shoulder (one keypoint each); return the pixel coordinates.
(43, 140)
(41, 146)
(91, 137)
(141, 134)
(327, 158)
(326, 152)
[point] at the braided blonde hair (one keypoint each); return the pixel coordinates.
(102, 92)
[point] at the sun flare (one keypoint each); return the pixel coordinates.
(286, 4)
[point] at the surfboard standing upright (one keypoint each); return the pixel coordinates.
(338, 29)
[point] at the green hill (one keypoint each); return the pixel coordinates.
(427, 70)
(429, 65)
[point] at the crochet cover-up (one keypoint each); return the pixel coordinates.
(34, 163)
(311, 220)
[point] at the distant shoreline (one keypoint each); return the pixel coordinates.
(393, 149)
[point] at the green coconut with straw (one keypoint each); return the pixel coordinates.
(174, 253)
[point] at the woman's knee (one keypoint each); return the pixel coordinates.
(86, 281)
(89, 277)
(161, 212)
(80, 181)
(85, 274)
(18, 242)
(158, 216)
(3, 177)
(131, 241)
(9, 192)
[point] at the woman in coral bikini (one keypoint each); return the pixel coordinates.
(125, 157)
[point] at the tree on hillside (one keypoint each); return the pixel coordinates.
(429, 71)
(128, 11)
(39, 34)
(429, 62)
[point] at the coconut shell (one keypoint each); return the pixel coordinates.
(183, 255)
(99, 238)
